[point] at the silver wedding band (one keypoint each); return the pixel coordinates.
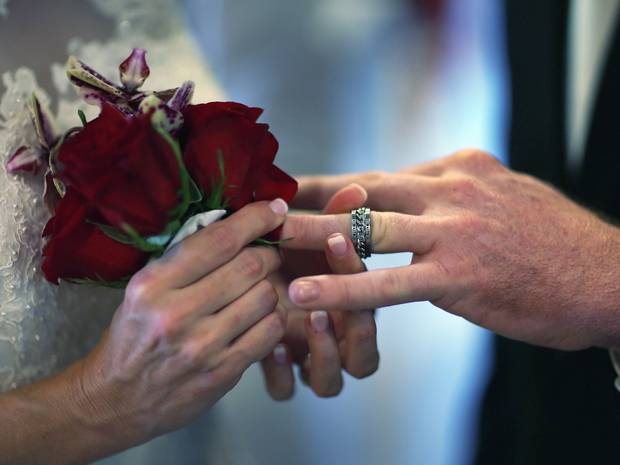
(361, 231)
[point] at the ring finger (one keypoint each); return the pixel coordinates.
(360, 332)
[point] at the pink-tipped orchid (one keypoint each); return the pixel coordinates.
(25, 160)
(134, 70)
(29, 159)
(168, 115)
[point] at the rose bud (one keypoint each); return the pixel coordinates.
(125, 169)
(247, 150)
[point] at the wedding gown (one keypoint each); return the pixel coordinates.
(44, 328)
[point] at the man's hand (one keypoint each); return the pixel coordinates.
(322, 343)
(499, 248)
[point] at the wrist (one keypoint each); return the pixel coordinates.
(96, 407)
(44, 423)
(604, 289)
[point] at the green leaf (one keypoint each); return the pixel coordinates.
(166, 236)
(82, 117)
(265, 242)
(216, 200)
(120, 284)
(195, 192)
(140, 242)
(114, 233)
(186, 190)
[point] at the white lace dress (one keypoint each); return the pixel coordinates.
(43, 328)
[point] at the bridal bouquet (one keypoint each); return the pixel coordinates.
(148, 171)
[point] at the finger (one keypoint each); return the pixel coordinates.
(218, 243)
(226, 284)
(341, 255)
(325, 368)
(278, 373)
(373, 289)
(391, 232)
(361, 353)
(346, 199)
(221, 328)
(304, 369)
(386, 192)
(430, 168)
(256, 343)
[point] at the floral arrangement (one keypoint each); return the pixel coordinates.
(151, 169)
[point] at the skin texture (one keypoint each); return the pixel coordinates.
(322, 344)
(496, 247)
(190, 324)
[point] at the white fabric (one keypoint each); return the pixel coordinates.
(591, 24)
(43, 328)
(194, 224)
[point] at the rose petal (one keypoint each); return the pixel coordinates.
(77, 249)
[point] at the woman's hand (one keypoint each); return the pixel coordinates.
(499, 248)
(190, 324)
(322, 344)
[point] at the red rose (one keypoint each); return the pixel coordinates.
(124, 169)
(80, 250)
(248, 151)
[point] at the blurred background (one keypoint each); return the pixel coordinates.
(352, 85)
(348, 85)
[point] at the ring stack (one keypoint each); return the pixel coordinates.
(361, 232)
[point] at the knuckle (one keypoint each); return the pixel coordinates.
(224, 238)
(380, 226)
(251, 264)
(273, 259)
(276, 328)
(190, 355)
(363, 336)
(344, 294)
(474, 156)
(390, 284)
(241, 359)
(267, 295)
(163, 326)
(142, 289)
(374, 177)
(469, 224)
(210, 344)
(464, 189)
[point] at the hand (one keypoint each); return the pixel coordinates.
(190, 324)
(499, 248)
(322, 343)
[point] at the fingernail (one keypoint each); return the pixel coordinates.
(319, 321)
(279, 207)
(303, 292)
(280, 355)
(337, 245)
